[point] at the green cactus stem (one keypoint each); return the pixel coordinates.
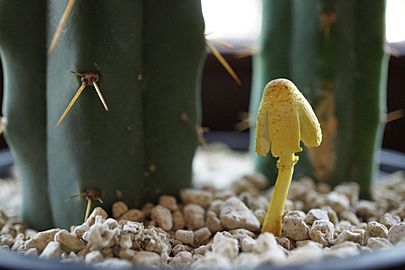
(271, 62)
(335, 55)
(23, 56)
(147, 55)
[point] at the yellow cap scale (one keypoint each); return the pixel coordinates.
(285, 118)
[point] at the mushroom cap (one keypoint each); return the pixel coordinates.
(284, 119)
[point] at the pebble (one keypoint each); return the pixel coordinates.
(294, 226)
(98, 211)
(78, 231)
(7, 240)
(181, 260)
(378, 242)
(68, 241)
(267, 243)
(197, 257)
(200, 250)
(194, 216)
(338, 201)
(169, 202)
(52, 251)
(214, 224)
(375, 229)
(18, 244)
(196, 196)
(9, 229)
(309, 243)
(211, 261)
(284, 242)
(313, 200)
(100, 236)
(258, 180)
(146, 258)
(239, 234)
(252, 183)
(125, 241)
(388, 220)
(316, 214)
(242, 185)
(162, 216)
(216, 206)
(247, 244)
(180, 247)
(147, 209)
(367, 210)
(107, 252)
(304, 254)
(41, 240)
(323, 188)
(235, 215)
(118, 209)
(322, 231)
(400, 211)
(397, 233)
(31, 252)
(224, 194)
(133, 215)
(185, 236)
(114, 263)
(178, 220)
(94, 257)
(259, 203)
(348, 236)
(342, 225)
(332, 215)
(260, 214)
(349, 216)
(202, 236)
(350, 190)
(345, 249)
(225, 245)
(126, 254)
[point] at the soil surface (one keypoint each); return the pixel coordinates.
(219, 227)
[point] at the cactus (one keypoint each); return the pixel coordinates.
(23, 55)
(335, 55)
(271, 62)
(147, 55)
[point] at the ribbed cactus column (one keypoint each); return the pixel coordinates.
(23, 55)
(369, 91)
(272, 61)
(337, 59)
(147, 55)
(93, 148)
(149, 63)
(173, 44)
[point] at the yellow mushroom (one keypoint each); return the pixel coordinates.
(284, 119)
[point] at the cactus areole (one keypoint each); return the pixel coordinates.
(145, 57)
(285, 119)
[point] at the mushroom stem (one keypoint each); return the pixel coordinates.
(273, 220)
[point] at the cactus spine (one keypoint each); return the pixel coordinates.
(336, 57)
(149, 68)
